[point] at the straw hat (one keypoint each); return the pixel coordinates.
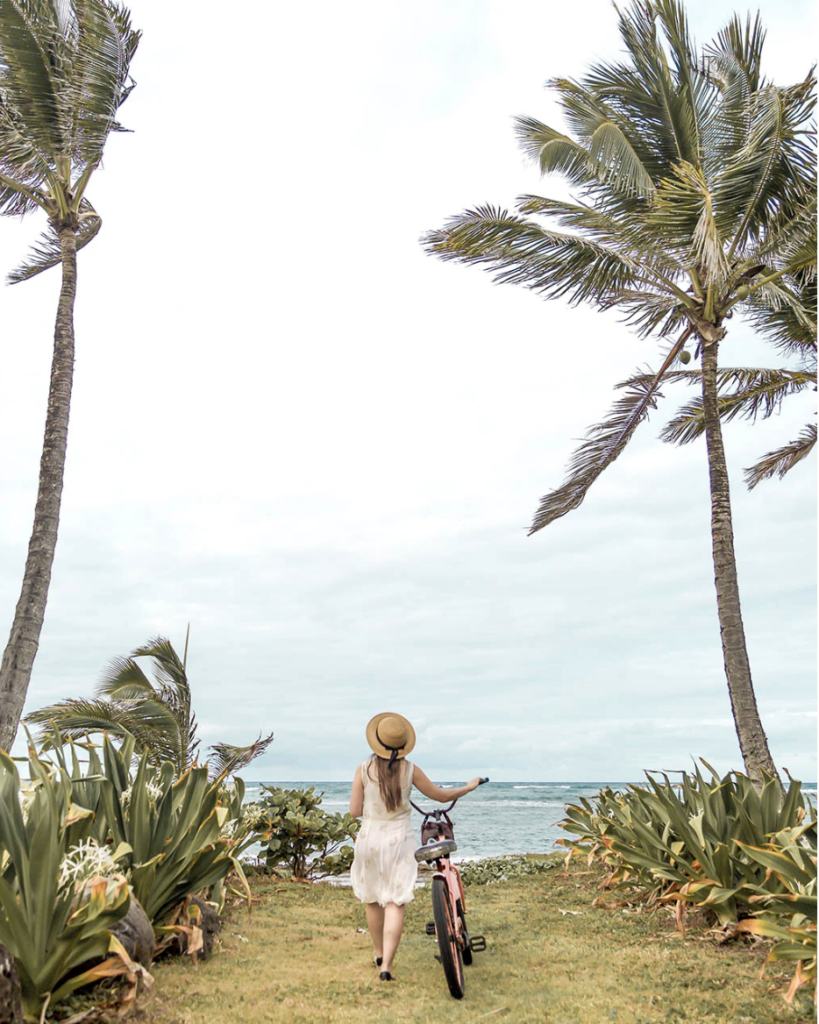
(390, 735)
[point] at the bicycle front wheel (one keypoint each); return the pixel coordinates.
(448, 945)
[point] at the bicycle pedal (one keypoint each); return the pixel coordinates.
(477, 943)
(430, 927)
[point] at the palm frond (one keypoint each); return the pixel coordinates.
(669, 105)
(685, 215)
(75, 719)
(726, 131)
(554, 151)
(694, 86)
(789, 242)
(20, 158)
(99, 74)
(14, 202)
(790, 327)
(756, 393)
(604, 441)
(620, 233)
(123, 679)
(615, 156)
(782, 460)
(167, 665)
(651, 314)
(775, 170)
(521, 252)
(742, 46)
(47, 253)
(31, 71)
(227, 759)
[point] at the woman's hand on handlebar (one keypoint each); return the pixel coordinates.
(473, 784)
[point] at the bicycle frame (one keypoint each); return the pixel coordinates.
(446, 870)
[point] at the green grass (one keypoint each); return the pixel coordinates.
(302, 960)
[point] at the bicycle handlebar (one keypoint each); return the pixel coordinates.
(442, 810)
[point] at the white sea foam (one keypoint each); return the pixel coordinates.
(554, 786)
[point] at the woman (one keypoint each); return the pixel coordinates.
(384, 868)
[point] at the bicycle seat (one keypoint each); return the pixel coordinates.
(434, 850)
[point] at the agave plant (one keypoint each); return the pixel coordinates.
(58, 899)
(170, 828)
(790, 857)
(686, 843)
(157, 715)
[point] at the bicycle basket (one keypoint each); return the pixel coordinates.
(432, 828)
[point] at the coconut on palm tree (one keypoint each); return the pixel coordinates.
(695, 202)
(64, 73)
(158, 715)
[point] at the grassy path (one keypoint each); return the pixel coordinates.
(550, 959)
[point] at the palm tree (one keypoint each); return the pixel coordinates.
(159, 715)
(64, 72)
(696, 200)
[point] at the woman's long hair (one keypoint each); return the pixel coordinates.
(389, 781)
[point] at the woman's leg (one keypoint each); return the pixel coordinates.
(375, 922)
(393, 927)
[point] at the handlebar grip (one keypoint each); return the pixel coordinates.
(482, 781)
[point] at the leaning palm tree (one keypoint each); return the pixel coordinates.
(64, 72)
(158, 715)
(696, 201)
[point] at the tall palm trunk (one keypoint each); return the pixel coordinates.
(752, 740)
(18, 657)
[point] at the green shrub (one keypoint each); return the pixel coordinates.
(294, 830)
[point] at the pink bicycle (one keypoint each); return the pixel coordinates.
(455, 945)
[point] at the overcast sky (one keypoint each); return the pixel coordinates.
(321, 447)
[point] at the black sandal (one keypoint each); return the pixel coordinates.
(377, 961)
(386, 976)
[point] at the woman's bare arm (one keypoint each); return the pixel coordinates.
(357, 795)
(443, 796)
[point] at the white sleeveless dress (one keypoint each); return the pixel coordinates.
(384, 867)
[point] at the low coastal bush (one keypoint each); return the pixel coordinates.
(716, 843)
(501, 869)
(295, 831)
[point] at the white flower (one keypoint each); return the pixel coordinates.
(154, 794)
(26, 796)
(229, 829)
(254, 817)
(86, 860)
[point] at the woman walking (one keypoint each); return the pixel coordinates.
(384, 868)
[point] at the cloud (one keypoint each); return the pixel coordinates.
(321, 448)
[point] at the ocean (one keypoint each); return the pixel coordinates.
(496, 819)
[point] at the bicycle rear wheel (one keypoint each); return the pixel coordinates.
(448, 945)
